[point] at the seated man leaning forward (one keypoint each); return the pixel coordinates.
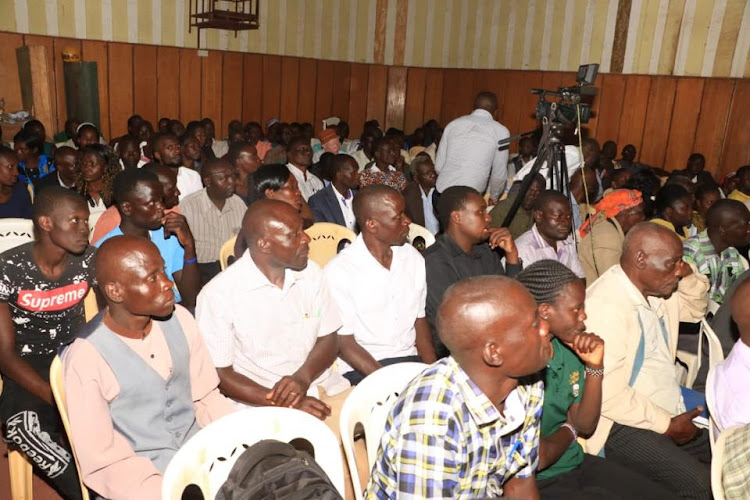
(636, 308)
(468, 426)
(269, 321)
(139, 380)
(379, 285)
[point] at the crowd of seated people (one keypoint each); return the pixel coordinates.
(551, 343)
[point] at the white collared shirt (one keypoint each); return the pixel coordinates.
(264, 332)
(188, 181)
(532, 247)
(430, 221)
(309, 184)
(379, 306)
(468, 154)
(347, 209)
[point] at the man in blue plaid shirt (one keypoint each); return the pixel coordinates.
(468, 426)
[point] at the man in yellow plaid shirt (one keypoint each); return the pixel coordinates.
(468, 426)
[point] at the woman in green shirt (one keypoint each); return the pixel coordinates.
(573, 396)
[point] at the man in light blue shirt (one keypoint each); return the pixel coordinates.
(140, 202)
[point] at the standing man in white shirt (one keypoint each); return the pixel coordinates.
(299, 155)
(167, 151)
(468, 154)
(380, 287)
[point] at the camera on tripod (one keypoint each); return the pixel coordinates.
(563, 110)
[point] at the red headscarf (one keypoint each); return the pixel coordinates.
(611, 205)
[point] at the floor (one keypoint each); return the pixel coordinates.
(41, 490)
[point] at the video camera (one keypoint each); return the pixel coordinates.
(565, 111)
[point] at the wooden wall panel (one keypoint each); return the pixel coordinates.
(231, 92)
(271, 98)
(190, 85)
(454, 100)
(358, 82)
(308, 88)
(58, 45)
(658, 121)
(396, 97)
(252, 88)
(120, 87)
(511, 112)
(324, 94)
(527, 101)
(341, 75)
(168, 83)
(710, 133)
(97, 52)
(685, 111)
(211, 85)
(633, 116)
(289, 89)
(736, 152)
(498, 83)
(377, 85)
(145, 82)
(48, 43)
(611, 95)
(433, 94)
(414, 104)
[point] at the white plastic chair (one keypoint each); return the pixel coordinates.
(15, 232)
(713, 306)
(325, 238)
(715, 352)
(416, 230)
(368, 404)
(713, 426)
(208, 457)
(687, 377)
(717, 463)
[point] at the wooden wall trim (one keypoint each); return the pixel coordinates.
(665, 117)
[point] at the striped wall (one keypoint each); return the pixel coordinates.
(657, 37)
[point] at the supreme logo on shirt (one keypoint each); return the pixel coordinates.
(53, 300)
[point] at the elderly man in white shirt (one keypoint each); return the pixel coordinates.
(299, 155)
(380, 287)
(269, 322)
(468, 153)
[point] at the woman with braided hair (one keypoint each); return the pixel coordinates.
(573, 395)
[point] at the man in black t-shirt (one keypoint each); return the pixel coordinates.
(42, 287)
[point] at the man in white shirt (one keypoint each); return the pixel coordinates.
(167, 151)
(380, 287)
(420, 194)
(636, 308)
(335, 202)
(468, 154)
(299, 155)
(269, 322)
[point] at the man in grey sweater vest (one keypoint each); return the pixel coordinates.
(139, 380)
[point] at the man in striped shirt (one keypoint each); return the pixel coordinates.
(468, 426)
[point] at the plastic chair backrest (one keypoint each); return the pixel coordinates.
(207, 458)
(713, 306)
(325, 238)
(227, 251)
(717, 462)
(417, 230)
(15, 232)
(58, 391)
(368, 404)
(713, 426)
(715, 352)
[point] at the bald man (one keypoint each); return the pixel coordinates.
(714, 251)
(380, 287)
(269, 321)
(468, 426)
(138, 379)
(636, 308)
(468, 154)
(728, 381)
(214, 214)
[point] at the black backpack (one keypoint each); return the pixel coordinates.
(272, 470)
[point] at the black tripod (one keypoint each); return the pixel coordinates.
(551, 150)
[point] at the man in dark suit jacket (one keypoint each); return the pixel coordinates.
(66, 170)
(419, 190)
(695, 170)
(334, 202)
